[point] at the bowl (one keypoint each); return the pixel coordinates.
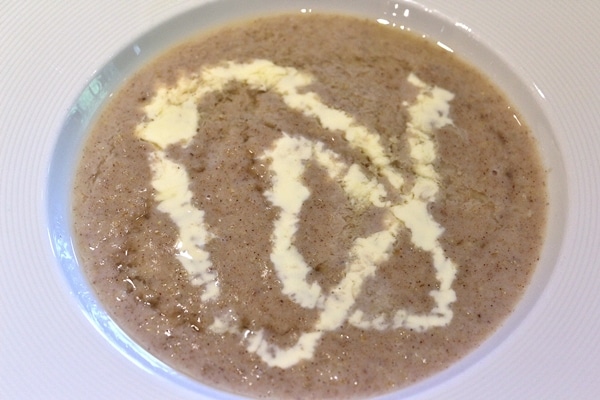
(452, 35)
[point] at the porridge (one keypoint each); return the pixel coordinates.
(309, 206)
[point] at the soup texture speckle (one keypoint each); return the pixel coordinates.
(309, 206)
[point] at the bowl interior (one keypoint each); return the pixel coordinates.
(451, 35)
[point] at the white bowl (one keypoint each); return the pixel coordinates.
(523, 85)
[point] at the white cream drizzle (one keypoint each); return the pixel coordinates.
(171, 183)
(172, 118)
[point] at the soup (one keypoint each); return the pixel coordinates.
(309, 206)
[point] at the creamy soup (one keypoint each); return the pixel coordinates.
(309, 206)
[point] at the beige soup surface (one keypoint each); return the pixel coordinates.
(309, 206)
